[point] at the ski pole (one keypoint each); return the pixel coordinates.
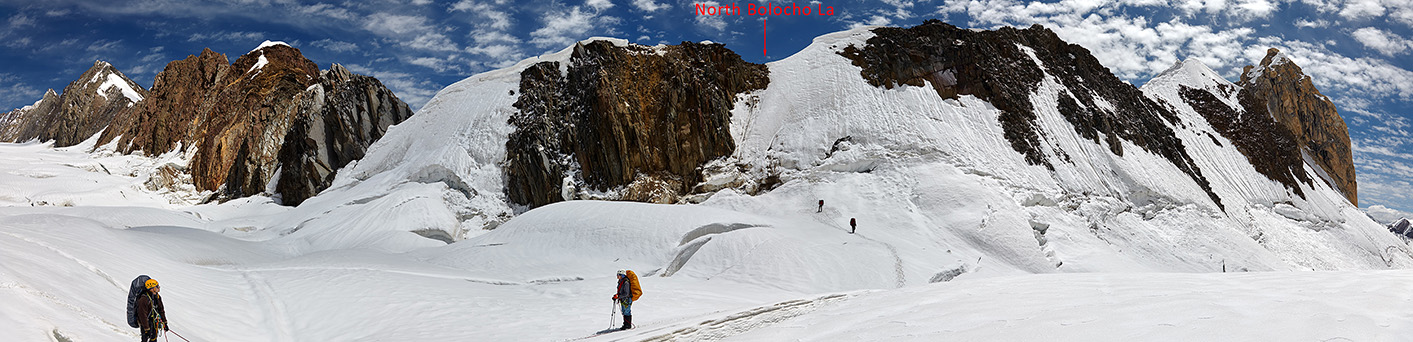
(612, 314)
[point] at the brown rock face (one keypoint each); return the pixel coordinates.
(993, 66)
(625, 118)
(85, 108)
(241, 137)
(1281, 88)
(272, 110)
(178, 100)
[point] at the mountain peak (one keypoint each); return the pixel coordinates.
(1280, 87)
(268, 43)
(1193, 74)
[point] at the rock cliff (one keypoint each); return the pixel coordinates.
(1281, 89)
(342, 115)
(633, 119)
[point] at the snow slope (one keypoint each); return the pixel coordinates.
(956, 236)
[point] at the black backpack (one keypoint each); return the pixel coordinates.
(139, 286)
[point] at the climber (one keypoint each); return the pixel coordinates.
(151, 315)
(628, 292)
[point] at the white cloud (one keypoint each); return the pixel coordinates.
(1318, 23)
(20, 20)
(1385, 42)
(494, 37)
(599, 5)
(16, 93)
(326, 10)
(434, 63)
(650, 5)
(713, 22)
(1403, 13)
(496, 19)
(335, 45)
(875, 20)
(562, 28)
(431, 41)
(227, 36)
(1362, 77)
(501, 55)
(421, 2)
(1386, 215)
(1361, 9)
(103, 45)
(393, 25)
(412, 89)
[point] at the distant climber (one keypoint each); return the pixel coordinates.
(821, 207)
(628, 292)
(853, 225)
(151, 316)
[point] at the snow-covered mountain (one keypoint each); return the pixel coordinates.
(1011, 128)
(975, 163)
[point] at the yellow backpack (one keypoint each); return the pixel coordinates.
(633, 286)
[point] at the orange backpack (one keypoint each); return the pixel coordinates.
(633, 286)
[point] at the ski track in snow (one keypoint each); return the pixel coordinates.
(741, 322)
(278, 317)
(900, 279)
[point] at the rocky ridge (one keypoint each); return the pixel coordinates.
(269, 123)
(1005, 67)
(85, 107)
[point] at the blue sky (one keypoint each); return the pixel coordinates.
(1359, 52)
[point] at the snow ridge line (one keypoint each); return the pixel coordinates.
(86, 265)
(748, 320)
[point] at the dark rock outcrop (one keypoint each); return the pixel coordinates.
(1279, 88)
(624, 118)
(993, 66)
(345, 113)
(1402, 227)
(1265, 144)
(270, 115)
(85, 108)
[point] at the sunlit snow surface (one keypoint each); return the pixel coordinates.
(958, 238)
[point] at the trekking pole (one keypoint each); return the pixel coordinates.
(612, 314)
(178, 335)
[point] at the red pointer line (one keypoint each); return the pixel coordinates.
(762, 37)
